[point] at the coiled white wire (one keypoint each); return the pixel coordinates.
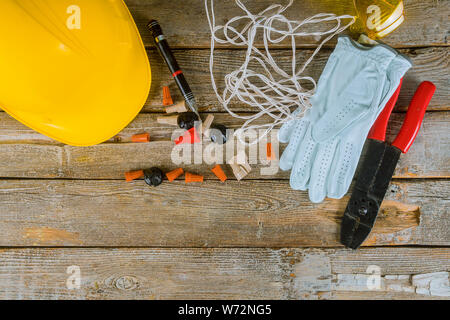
(273, 95)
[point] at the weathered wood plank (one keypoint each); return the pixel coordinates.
(223, 273)
(210, 214)
(430, 64)
(426, 21)
(262, 214)
(36, 156)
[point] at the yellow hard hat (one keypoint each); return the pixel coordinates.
(76, 71)
(378, 18)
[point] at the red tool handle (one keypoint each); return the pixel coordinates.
(378, 130)
(414, 116)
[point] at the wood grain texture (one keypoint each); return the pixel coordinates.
(186, 26)
(210, 214)
(189, 239)
(223, 273)
(430, 64)
(36, 156)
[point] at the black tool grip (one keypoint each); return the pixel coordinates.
(165, 51)
(163, 46)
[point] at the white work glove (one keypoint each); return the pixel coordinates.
(325, 146)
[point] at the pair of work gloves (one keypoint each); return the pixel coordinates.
(325, 145)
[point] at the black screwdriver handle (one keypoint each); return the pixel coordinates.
(165, 51)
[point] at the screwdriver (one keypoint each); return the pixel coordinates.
(165, 51)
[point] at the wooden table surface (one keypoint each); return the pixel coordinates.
(63, 206)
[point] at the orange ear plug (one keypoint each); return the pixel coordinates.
(167, 99)
(270, 155)
(144, 137)
(133, 175)
(190, 177)
(172, 175)
(217, 170)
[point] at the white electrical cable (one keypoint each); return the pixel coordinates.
(273, 95)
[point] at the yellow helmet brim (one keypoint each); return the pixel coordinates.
(78, 74)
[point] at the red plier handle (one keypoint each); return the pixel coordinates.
(378, 130)
(413, 118)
